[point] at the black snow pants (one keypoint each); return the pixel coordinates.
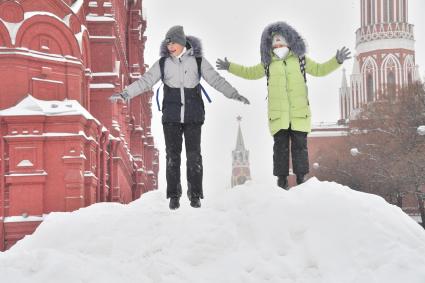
(173, 133)
(299, 153)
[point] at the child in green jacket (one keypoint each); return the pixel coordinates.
(284, 63)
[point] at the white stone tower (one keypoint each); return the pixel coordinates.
(385, 55)
(240, 164)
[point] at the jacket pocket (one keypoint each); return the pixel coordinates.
(301, 113)
(274, 115)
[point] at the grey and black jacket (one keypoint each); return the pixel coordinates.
(182, 101)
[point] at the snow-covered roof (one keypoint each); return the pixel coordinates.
(327, 125)
(13, 28)
(317, 134)
(328, 129)
(33, 106)
(39, 55)
(102, 85)
(94, 18)
(13, 219)
(77, 6)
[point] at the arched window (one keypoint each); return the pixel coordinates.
(409, 78)
(369, 88)
(408, 69)
(391, 85)
(391, 71)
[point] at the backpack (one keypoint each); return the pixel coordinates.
(302, 67)
(161, 67)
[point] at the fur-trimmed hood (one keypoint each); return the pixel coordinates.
(296, 43)
(193, 45)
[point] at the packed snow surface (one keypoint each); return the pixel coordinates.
(318, 232)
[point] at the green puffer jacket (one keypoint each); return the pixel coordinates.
(287, 91)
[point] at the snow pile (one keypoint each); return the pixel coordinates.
(319, 232)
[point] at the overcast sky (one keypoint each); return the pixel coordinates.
(233, 28)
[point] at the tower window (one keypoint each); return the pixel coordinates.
(391, 86)
(369, 86)
(409, 78)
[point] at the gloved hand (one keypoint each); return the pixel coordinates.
(343, 54)
(120, 96)
(222, 65)
(241, 98)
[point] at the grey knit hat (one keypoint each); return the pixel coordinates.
(176, 34)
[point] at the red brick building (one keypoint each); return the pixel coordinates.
(64, 145)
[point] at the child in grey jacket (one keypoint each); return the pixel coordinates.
(181, 67)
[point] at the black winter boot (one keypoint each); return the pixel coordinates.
(282, 181)
(174, 203)
(300, 179)
(195, 202)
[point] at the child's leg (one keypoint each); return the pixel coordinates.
(192, 139)
(281, 153)
(173, 147)
(299, 152)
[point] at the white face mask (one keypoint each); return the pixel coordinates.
(281, 52)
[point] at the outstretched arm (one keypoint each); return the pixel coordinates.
(250, 73)
(319, 70)
(212, 77)
(146, 81)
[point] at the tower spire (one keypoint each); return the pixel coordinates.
(240, 156)
(239, 140)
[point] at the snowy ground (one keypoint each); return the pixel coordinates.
(316, 233)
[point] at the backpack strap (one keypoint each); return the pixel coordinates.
(302, 67)
(302, 61)
(161, 66)
(157, 98)
(199, 63)
(267, 71)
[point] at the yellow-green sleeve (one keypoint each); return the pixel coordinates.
(250, 73)
(320, 70)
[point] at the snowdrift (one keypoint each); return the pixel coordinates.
(318, 232)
